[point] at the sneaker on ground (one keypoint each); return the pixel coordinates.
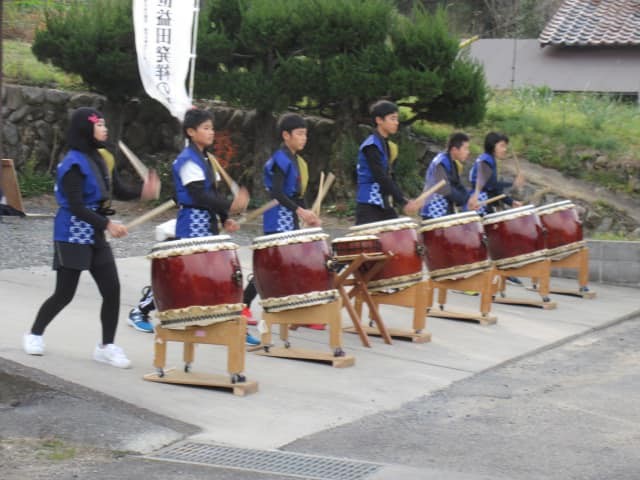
(33, 344)
(514, 280)
(315, 326)
(111, 354)
(251, 341)
(140, 321)
(246, 313)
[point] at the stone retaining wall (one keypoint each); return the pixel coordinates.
(613, 262)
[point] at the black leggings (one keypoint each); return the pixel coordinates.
(106, 278)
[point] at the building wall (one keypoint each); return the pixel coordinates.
(511, 63)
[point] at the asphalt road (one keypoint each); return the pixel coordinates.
(568, 412)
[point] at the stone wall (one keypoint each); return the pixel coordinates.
(35, 121)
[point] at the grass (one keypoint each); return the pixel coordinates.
(587, 136)
(21, 66)
(33, 182)
(56, 450)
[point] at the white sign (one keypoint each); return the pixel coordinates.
(163, 30)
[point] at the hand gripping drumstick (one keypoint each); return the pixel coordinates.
(491, 200)
(136, 163)
(233, 186)
(424, 195)
(151, 214)
(258, 211)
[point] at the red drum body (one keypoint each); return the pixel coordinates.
(292, 269)
(563, 228)
(399, 237)
(350, 246)
(515, 237)
(196, 281)
(454, 246)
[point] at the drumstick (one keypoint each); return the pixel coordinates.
(316, 204)
(491, 200)
(325, 189)
(151, 214)
(233, 186)
(259, 211)
(424, 195)
(137, 164)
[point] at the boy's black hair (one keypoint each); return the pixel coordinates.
(289, 122)
(456, 140)
(492, 139)
(382, 108)
(194, 118)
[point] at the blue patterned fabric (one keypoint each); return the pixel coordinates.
(482, 196)
(368, 188)
(67, 227)
(436, 205)
(192, 222)
(280, 218)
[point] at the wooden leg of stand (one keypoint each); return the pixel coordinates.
(583, 269)
(355, 318)
(442, 296)
(486, 293)
(188, 353)
(284, 332)
(430, 289)
(265, 338)
(374, 314)
(545, 280)
(235, 348)
(335, 326)
(420, 308)
(160, 351)
(357, 304)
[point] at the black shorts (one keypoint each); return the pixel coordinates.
(367, 213)
(81, 257)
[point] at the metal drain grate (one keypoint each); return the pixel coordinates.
(266, 461)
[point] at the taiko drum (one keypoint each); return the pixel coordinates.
(454, 246)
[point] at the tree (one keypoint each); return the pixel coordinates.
(94, 40)
(327, 57)
(334, 57)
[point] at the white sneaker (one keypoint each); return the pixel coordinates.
(111, 354)
(33, 344)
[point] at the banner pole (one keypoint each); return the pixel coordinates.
(194, 44)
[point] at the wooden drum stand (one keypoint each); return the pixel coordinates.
(540, 270)
(230, 333)
(480, 282)
(414, 297)
(578, 260)
(325, 314)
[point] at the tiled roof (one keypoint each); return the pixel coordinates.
(594, 23)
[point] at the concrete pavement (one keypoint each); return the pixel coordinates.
(295, 399)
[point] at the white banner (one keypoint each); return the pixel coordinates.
(163, 30)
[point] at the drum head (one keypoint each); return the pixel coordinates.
(188, 246)
(509, 214)
(555, 207)
(355, 238)
(450, 220)
(384, 226)
(286, 238)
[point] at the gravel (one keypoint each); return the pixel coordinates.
(28, 241)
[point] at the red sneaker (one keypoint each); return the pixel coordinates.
(247, 314)
(316, 326)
